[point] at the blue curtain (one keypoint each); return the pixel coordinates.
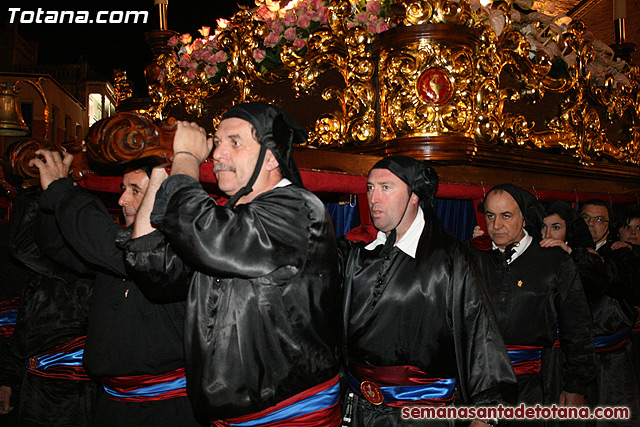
(344, 217)
(458, 216)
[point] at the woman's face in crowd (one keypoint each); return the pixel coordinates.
(554, 227)
(630, 232)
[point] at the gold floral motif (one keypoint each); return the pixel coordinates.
(497, 68)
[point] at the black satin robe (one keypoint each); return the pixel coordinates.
(263, 314)
(128, 334)
(431, 312)
(534, 296)
(53, 310)
(612, 309)
(13, 276)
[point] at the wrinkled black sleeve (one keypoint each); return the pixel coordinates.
(595, 274)
(211, 237)
(154, 267)
(625, 267)
(485, 370)
(35, 239)
(576, 332)
(79, 215)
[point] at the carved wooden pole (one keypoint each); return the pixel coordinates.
(125, 137)
(15, 162)
(119, 139)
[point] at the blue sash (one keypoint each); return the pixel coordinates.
(437, 390)
(613, 341)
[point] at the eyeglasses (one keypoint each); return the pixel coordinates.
(599, 219)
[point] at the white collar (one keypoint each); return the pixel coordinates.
(282, 183)
(600, 244)
(519, 247)
(409, 241)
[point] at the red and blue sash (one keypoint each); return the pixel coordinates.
(613, 341)
(62, 362)
(525, 359)
(8, 316)
(399, 386)
(315, 407)
(146, 387)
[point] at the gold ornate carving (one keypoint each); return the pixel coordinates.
(122, 86)
(500, 64)
(409, 53)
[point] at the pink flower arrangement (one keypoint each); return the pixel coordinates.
(291, 24)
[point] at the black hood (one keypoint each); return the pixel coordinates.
(531, 209)
(419, 176)
(276, 131)
(578, 234)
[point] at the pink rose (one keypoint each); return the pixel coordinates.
(223, 23)
(276, 27)
(323, 17)
(212, 44)
(211, 70)
(265, 14)
(302, 5)
(299, 43)
(372, 28)
(220, 56)
(304, 21)
(204, 31)
(382, 26)
(272, 39)
(185, 38)
(289, 18)
(173, 41)
(317, 4)
(184, 61)
(373, 7)
(208, 57)
(259, 55)
(198, 43)
(361, 17)
(191, 74)
(290, 33)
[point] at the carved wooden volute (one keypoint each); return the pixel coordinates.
(126, 136)
(15, 162)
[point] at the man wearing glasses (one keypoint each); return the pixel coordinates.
(613, 316)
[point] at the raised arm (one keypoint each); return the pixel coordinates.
(81, 217)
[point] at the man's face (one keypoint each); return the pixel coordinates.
(597, 218)
(387, 196)
(134, 185)
(505, 223)
(630, 232)
(554, 227)
(235, 154)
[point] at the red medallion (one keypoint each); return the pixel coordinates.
(434, 86)
(371, 392)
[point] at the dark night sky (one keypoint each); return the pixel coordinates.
(111, 46)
